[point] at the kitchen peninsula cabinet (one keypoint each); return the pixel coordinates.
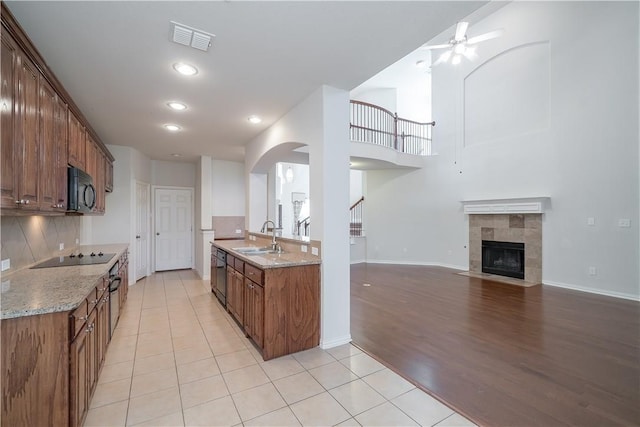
(278, 305)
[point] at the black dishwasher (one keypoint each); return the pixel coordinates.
(221, 276)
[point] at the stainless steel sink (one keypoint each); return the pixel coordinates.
(252, 250)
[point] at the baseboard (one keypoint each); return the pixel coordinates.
(592, 291)
(325, 344)
(359, 261)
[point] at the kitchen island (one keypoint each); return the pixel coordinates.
(55, 332)
(274, 297)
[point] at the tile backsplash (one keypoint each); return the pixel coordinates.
(29, 239)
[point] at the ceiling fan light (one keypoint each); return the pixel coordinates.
(456, 59)
(445, 56)
(459, 49)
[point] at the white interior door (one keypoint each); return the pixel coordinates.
(142, 230)
(173, 228)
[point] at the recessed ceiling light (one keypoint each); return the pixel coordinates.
(172, 128)
(178, 106)
(176, 154)
(185, 69)
(421, 64)
(254, 119)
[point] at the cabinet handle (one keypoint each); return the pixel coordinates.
(95, 301)
(19, 202)
(83, 317)
(26, 202)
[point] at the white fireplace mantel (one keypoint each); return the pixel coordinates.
(523, 205)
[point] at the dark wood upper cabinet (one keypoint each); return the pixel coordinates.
(77, 143)
(26, 134)
(8, 184)
(43, 132)
(61, 139)
(48, 149)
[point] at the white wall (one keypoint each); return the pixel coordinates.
(580, 147)
(117, 224)
(228, 188)
(386, 98)
(356, 185)
(175, 174)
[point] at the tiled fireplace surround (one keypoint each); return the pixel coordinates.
(518, 228)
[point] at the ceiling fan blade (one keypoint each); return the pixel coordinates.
(437, 46)
(486, 36)
(461, 30)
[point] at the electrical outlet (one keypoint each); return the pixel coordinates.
(593, 271)
(238, 231)
(303, 248)
(314, 251)
(6, 264)
(591, 221)
(624, 222)
(77, 241)
(61, 246)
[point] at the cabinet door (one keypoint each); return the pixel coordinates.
(9, 145)
(239, 305)
(61, 138)
(47, 146)
(92, 353)
(108, 180)
(248, 307)
(76, 149)
(78, 380)
(231, 292)
(102, 322)
(26, 132)
(90, 158)
(99, 182)
(258, 315)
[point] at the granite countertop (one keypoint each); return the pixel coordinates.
(29, 292)
(285, 259)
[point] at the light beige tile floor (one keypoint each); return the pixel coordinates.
(178, 359)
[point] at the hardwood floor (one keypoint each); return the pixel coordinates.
(500, 354)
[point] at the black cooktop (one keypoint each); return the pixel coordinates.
(76, 259)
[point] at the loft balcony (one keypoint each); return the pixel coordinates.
(382, 140)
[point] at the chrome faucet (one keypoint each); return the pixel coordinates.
(274, 244)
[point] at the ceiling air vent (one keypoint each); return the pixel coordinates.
(189, 36)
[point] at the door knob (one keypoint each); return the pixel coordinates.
(157, 234)
(138, 236)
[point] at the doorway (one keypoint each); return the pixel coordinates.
(142, 231)
(173, 228)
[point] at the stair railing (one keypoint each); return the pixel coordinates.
(376, 125)
(303, 226)
(355, 214)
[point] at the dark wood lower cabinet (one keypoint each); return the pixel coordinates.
(35, 370)
(278, 308)
(51, 362)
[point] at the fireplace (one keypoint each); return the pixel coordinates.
(503, 258)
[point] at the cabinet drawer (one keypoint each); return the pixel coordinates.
(255, 274)
(239, 265)
(230, 260)
(92, 299)
(78, 318)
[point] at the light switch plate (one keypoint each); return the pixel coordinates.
(6, 264)
(591, 221)
(314, 250)
(303, 248)
(61, 246)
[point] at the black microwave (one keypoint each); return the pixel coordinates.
(82, 193)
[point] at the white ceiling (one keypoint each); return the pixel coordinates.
(115, 60)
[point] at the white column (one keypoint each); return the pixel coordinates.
(329, 191)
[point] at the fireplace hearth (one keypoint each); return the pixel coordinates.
(503, 258)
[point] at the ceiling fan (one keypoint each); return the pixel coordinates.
(461, 46)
